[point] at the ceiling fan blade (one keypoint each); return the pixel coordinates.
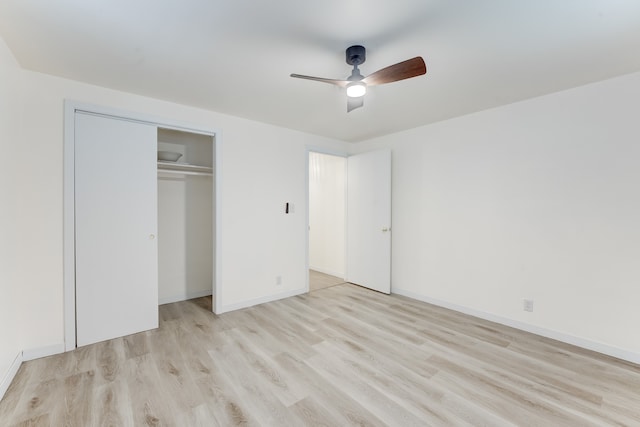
(402, 70)
(341, 83)
(353, 103)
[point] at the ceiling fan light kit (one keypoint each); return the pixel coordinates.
(356, 89)
(356, 85)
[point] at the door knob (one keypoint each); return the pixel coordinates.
(152, 236)
(384, 230)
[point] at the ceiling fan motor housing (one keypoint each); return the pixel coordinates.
(356, 55)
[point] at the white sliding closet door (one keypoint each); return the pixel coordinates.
(369, 220)
(116, 225)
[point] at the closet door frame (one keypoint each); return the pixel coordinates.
(69, 280)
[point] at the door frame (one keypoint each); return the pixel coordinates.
(69, 265)
(337, 153)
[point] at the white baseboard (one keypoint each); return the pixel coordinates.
(37, 353)
(262, 300)
(548, 333)
(10, 375)
(329, 272)
(184, 296)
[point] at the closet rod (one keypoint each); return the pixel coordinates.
(177, 172)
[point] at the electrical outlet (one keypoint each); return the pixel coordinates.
(278, 280)
(527, 304)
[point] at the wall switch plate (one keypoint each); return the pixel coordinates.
(278, 280)
(527, 304)
(289, 208)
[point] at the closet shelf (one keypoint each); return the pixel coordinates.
(184, 169)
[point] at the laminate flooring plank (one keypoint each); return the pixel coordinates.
(263, 372)
(519, 376)
(281, 335)
(226, 408)
(381, 354)
(39, 421)
(313, 414)
(51, 367)
(550, 379)
(195, 356)
(204, 416)
(563, 390)
(425, 319)
(420, 398)
(343, 356)
(135, 345)
(150, 404)
(511, 404)
(195, 320)
(222, 402)
(298, 316)
(524, 365)
(39, 399)
(391, 375)
(109, 358)
(173, 373)
(318, 280)
(471, 413)
(251, 388)
(385, 323)
(289, 325)
(322, 302)
(538, 385)
(619, 380)
(78, 393)
(526, 369)
(110, 405)
(282, 385)
(310, 312)
(616, 405)
(168, 312)
(383, 343)
(407, 374)
(14, 393)
(314, 316)
(573, 404)
(389, 411)
(334, 399)
(83, 359)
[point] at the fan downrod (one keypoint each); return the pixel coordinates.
(356, 55)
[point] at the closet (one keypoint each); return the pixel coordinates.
(185, 216)
(143, 228)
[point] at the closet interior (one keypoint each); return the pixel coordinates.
(186, 231)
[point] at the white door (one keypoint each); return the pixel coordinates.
(116, 225)
(369, 220)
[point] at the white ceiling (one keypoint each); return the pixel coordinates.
(235, 57)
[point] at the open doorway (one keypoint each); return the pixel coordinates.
(327, 220)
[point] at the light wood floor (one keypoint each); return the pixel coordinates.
(319, 280)
(335, 357)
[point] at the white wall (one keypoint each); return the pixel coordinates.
(538, 199)
(327, 184)
(11, 301)
(185, 243)
(263, 168)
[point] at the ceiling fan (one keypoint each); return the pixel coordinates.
(357, 84)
